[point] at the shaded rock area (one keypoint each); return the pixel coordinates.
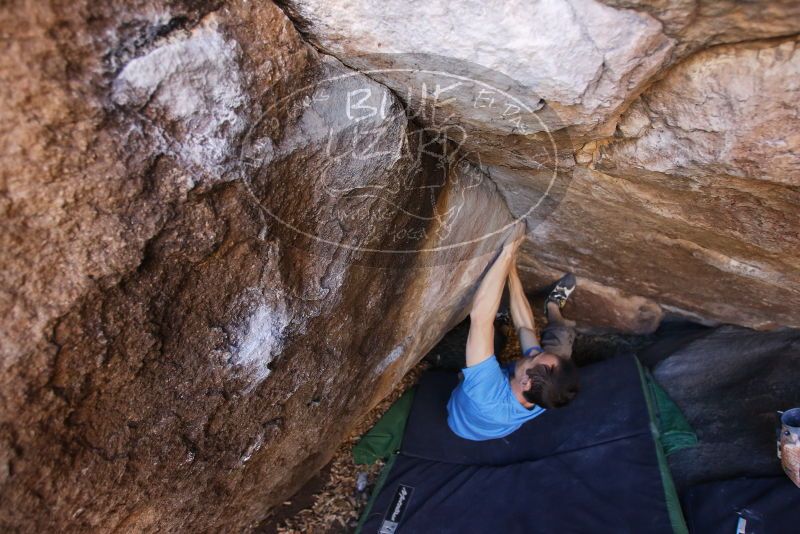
(588, 348)
(333, 501)
(231, 228)
(730, 382)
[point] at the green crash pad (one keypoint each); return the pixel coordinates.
(382, 443)
(661, 415)
(385, 437)
(674, 431)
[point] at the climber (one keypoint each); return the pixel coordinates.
(493, 401)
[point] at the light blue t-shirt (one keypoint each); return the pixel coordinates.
(483, 406)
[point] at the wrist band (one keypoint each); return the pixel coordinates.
(537, 348)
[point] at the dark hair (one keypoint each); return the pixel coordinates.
(552, 388)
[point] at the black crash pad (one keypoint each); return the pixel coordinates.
(589, 468)
(609, 488)
(609, 407)
(769, 505)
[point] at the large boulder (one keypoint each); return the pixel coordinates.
(583, 60)
(676, 127)
(730, 382)
(709, 156)
(211, 267)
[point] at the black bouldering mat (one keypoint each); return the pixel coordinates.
(769, 505)
(609, 407)
(591, 467)
(612, 487)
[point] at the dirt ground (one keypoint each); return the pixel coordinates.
(330, 502)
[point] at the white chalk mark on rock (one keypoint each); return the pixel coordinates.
(252, 449)
(389, 360)
(194, 84)
(260, 341)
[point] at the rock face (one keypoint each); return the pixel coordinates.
(720, 135)
(222, 245)
(212, 265)
(583, 58)
(682, 126)
(729, 382)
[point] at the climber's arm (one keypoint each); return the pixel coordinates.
(480, 342)
(522, 315)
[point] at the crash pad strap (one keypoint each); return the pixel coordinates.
(768, 504)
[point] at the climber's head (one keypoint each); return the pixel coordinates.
(547, 380)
